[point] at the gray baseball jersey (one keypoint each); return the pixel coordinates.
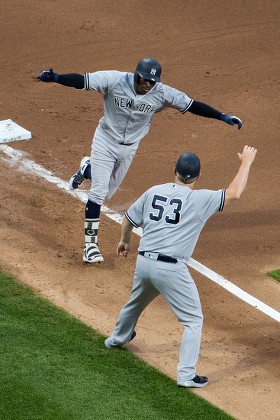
(127, 116)
(173, 216)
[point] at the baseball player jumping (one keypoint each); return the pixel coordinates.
(172, 216)
(130, 102)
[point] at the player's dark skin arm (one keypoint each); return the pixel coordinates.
(199, 108)
(72, 80)
(203, 110)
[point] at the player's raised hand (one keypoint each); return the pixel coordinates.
(248, 154)
(48, 76)
(232, 120)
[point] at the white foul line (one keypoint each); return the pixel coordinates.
(18, 158)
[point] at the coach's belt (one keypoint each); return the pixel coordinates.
(158, 257)
(126, 144)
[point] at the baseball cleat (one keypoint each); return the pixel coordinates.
(78, 178)
(92, 253)
(196, 382)
(112, 346)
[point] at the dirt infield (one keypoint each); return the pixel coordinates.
(223, 53)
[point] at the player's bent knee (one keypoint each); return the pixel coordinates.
(96, 198)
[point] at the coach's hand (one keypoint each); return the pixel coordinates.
(48, 76)
(231, 120)
(123, 249)
(248, 155)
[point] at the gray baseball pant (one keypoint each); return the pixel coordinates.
(178, 289)
(110, 162)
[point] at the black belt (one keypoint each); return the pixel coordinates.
(126, 144)
(159, 257)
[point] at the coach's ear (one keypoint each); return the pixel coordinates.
(196, 179)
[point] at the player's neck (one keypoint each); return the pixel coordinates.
(184, 185)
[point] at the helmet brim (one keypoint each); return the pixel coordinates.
(148, 76)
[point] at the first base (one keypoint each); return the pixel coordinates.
(10, 131)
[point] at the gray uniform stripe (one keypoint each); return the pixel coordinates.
(87, 82)
(221, 208)
(131, 221)
(187, 107)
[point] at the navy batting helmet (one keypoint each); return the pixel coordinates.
(148, 69)
(188, 166)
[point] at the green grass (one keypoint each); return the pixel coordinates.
(275, 274)
(54, 367)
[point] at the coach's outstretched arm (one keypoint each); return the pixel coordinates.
(237, 186)
(72, 79)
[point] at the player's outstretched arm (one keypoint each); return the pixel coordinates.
(237, 186)
(72, 79)
(204, 110)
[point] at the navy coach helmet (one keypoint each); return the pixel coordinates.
(148, 69)
(188, 166)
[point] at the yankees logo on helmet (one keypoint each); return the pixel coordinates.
(148, 69)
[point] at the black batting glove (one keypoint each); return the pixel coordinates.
(231, 120)
(48, 76)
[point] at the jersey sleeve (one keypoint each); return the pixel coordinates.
(209, 202)
(102, 81)
(173, 98)
(135, 213)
